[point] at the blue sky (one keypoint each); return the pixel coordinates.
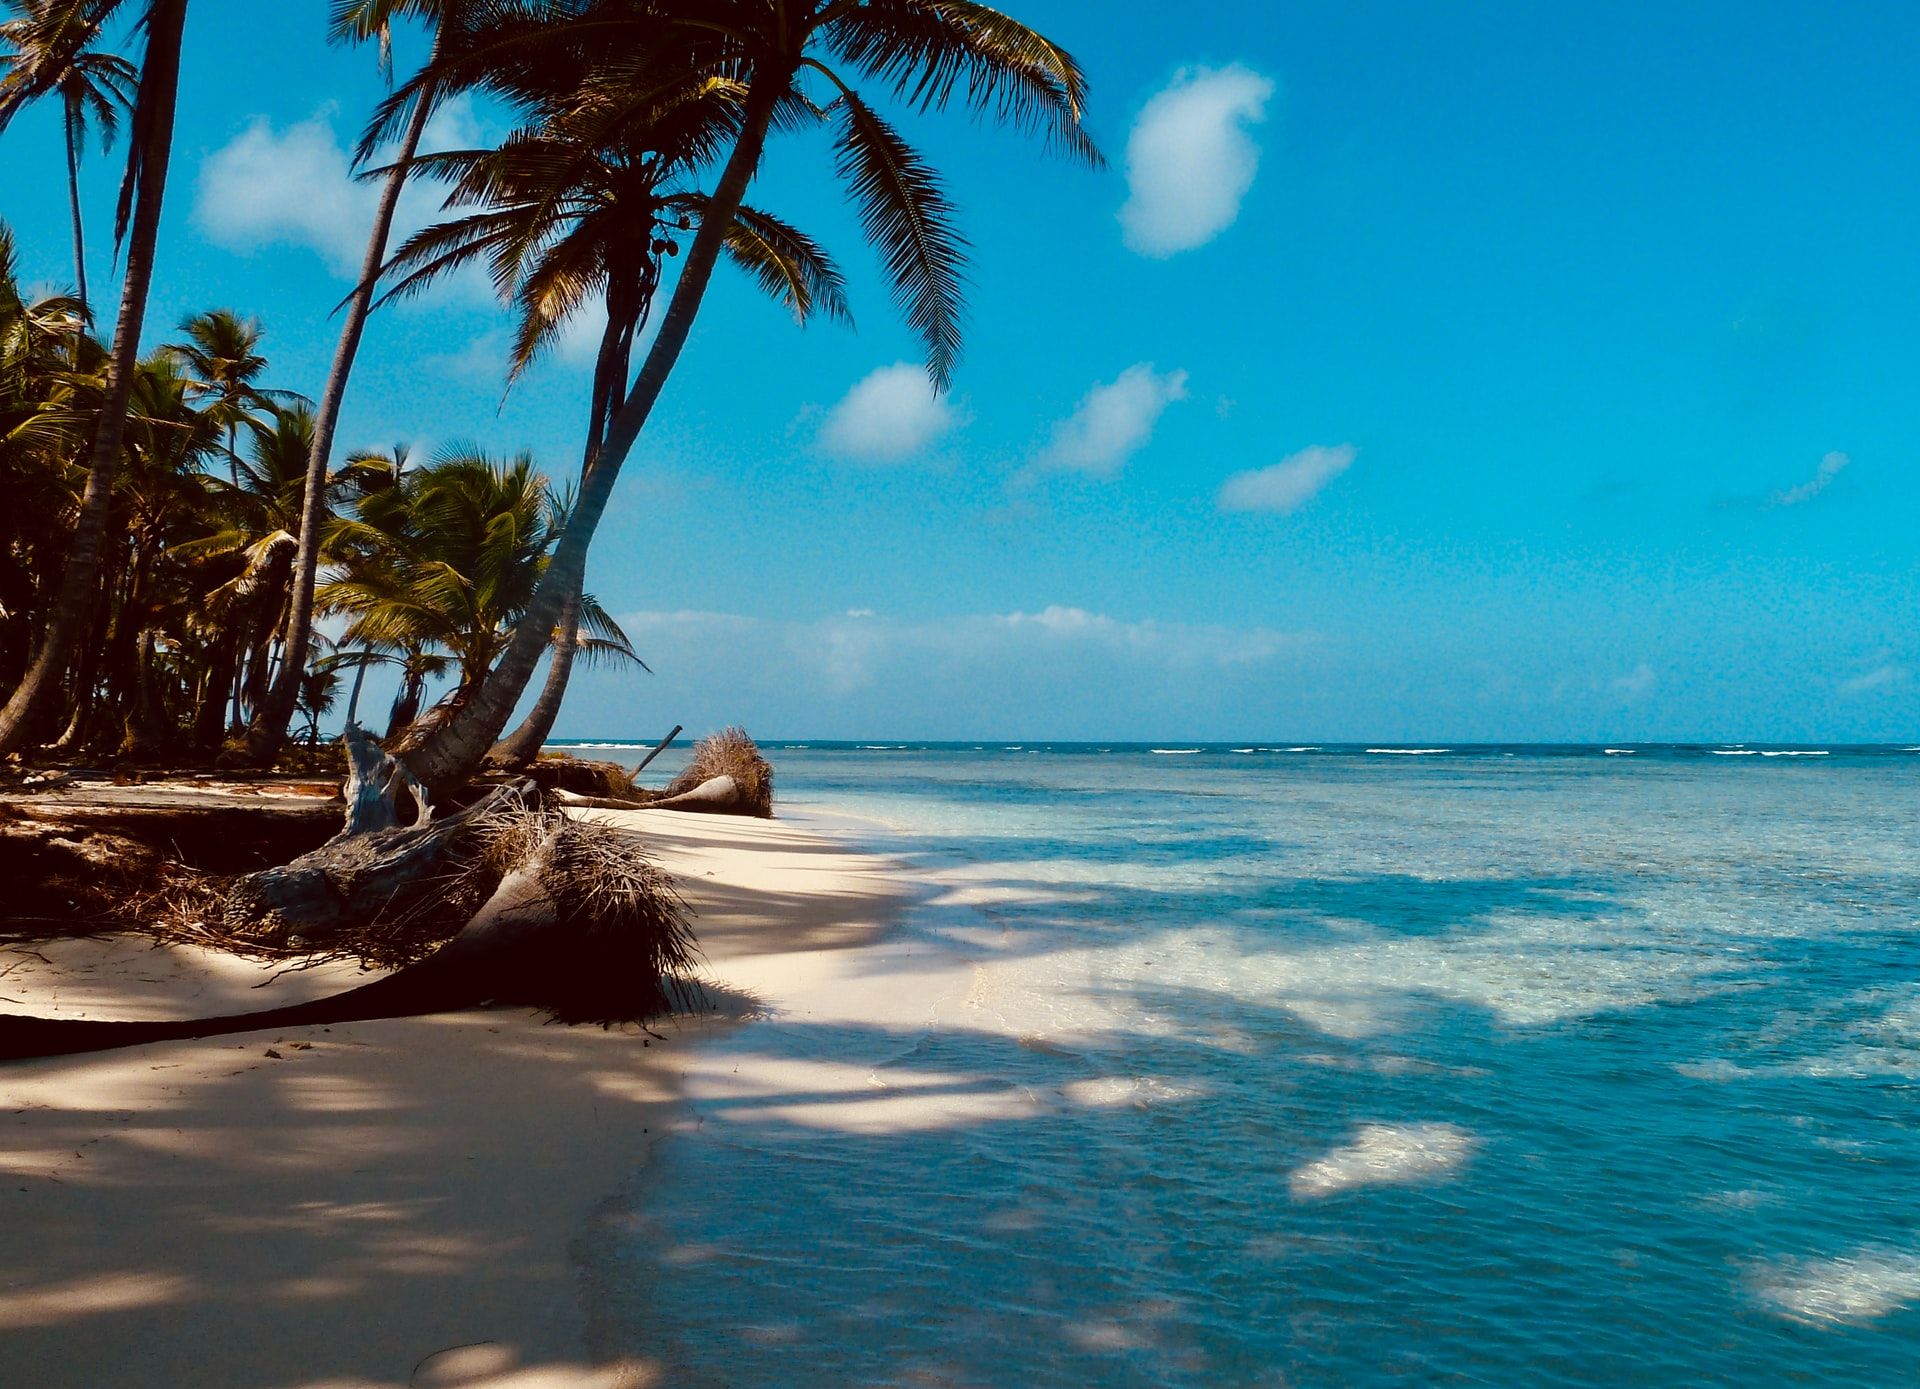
(1414, 372)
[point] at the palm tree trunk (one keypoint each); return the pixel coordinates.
(458, 748)
(523, 745)
(269, 728)
(73, 199)
(159, 86)
(353, 701)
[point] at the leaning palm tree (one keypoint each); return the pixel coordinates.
(354, 21)
(587, 632)
(137, 225)
(90, 84)
(787, 63)
(563, 221)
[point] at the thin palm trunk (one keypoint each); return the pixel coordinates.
(38, 690)
(611, 364)
(523, 745)
(458, 748)
(73, 200)
(269, 728)
(353, 702)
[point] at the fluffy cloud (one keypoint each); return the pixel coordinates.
(1289, 484)
(285, 187)
(1113, 421)
(1831, 466)
(294, 186)
(1190, 159)
(890, 415)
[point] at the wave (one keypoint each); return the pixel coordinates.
(1175, 752)
(1795, 752)
(1619, 752)
(1408, 752)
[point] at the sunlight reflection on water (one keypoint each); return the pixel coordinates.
(1334, 1070)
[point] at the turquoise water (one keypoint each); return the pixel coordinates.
(1330, 1067)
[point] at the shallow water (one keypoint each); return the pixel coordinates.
(1508, 1066)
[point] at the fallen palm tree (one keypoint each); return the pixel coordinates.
(726, 776)
(560, 914)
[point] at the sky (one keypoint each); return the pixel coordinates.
(1493, 372)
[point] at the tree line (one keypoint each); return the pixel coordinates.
(177, 528)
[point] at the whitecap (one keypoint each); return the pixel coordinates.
(1797, 752)
(1619, 752)
(1856, 1287)
(1408, 752)
(1385, 1155)
(1175, 752)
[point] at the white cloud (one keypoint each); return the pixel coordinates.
(285, 187)
(891, 414)
(1637, 682)
(1190, 159)
(1880, 678)
(1289, 484)
(1056, 667)
(1831, 466)
(1114, 421)
(294, 186)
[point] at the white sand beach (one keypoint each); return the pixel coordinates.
(372, 1204)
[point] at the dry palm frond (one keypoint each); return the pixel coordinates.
(557, 771)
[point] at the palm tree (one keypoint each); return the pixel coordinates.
(445, 559)
(46, 386)
(87, 81)
(251, 540)
(138, 225)
(354, 21)
(222, 355)
(925, 52)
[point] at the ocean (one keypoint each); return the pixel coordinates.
(1334, 1066)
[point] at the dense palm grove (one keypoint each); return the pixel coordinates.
(180, 530)
(427, 563)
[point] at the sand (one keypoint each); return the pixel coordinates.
(392, 1203)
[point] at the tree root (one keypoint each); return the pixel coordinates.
(577, 920)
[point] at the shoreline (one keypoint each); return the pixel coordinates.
(383, 1203)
